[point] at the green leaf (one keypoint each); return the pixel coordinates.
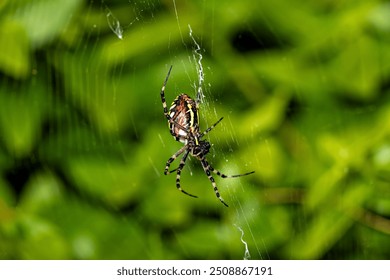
(40, 240)
(21, 117)
(44, 20)
(109, 180)
(14, 49)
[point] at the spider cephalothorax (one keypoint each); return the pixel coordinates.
(200, 150)
(183, 121)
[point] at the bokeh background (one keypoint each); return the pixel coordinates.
(303, 87)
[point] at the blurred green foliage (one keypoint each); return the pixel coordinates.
(303, 86)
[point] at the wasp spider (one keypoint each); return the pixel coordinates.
(183, 121)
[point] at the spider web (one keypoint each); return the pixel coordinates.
(84, 141)
(241, 222)
(102, 142)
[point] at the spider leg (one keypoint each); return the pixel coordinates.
(210, 128)
(206, 168)
(171, 159)
(178, 172)
(162, 94)
(227, 176)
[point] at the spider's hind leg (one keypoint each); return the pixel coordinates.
(162, 94)
(210, 128)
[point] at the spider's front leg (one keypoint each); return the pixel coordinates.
(220, 174)
(179, 169)
(178, 173)
(171, 159)
(206, 168)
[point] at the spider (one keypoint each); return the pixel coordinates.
(183, 121)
